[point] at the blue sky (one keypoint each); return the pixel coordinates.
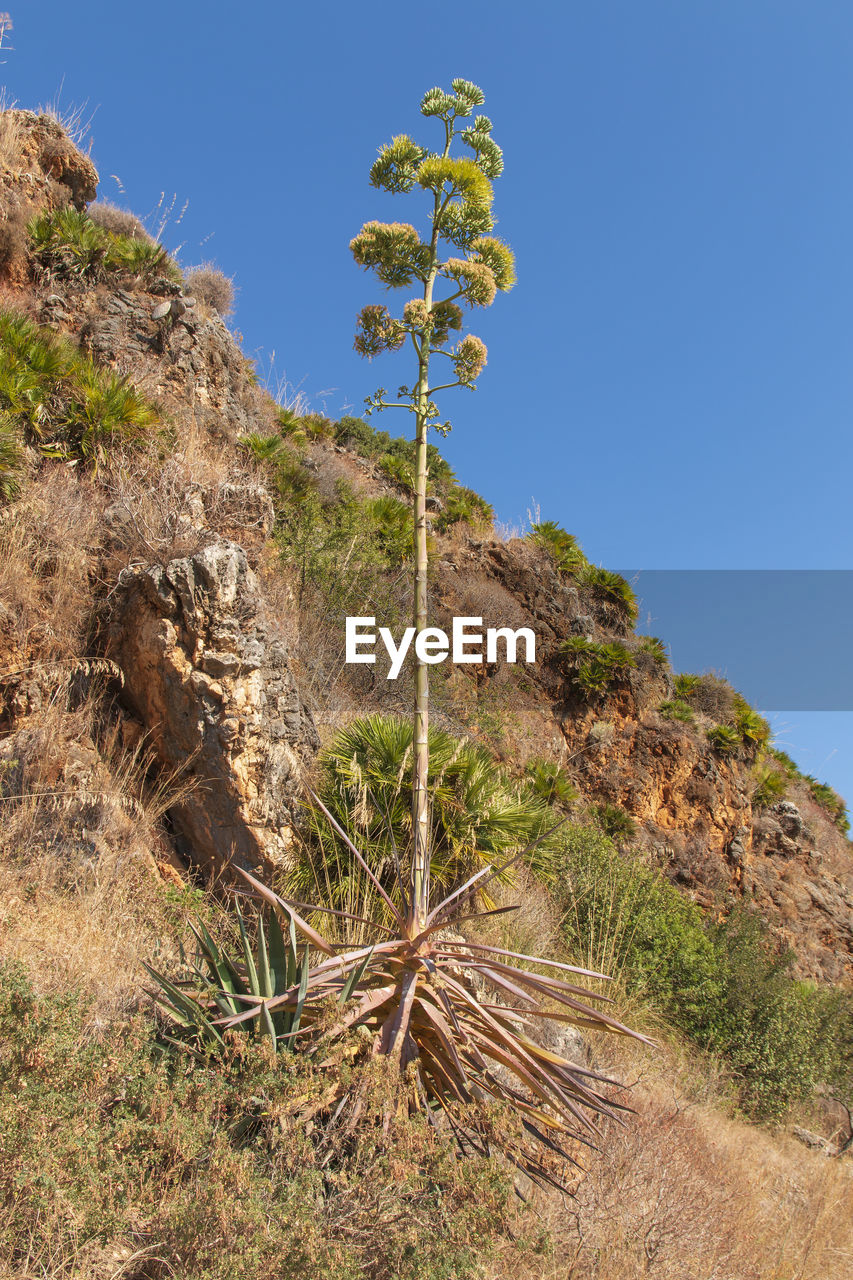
(671, 379)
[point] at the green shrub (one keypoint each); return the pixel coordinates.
(393, 523)
(105, 411)
(724, 738)
(752, 728)
(831, 801)
(596, 666)
(398, 469)
(359, 435)
(12, 458)
(685, 685)
(656, 647)
(610, 587)
(478, 815)
(770, 785)
(58, 400)
(562, 546)
(464, 505)
(110, 1135)
(67, 244)
(615, 822)
(723, 984)
(677, 710)
(551, 783)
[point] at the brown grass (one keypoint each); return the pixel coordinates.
(81, 900)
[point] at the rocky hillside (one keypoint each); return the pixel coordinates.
(206, 557)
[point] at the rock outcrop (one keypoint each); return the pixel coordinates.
(209, 678)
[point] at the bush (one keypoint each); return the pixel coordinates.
(723, 984)
(551, 783)
(724, 738)
(831, 801)
(69, 245)
(677, 710)
(212, 287)
(393, 523)
(12, 458)
(464, 505)
(656, 648)
(609, 587)
(118, 221)
(562, 546)
(595, 666)
(359, 435)
(206, 1163)
(478, 815)
(752, 728)
(58, 400)
(615, 822)
(770, 785)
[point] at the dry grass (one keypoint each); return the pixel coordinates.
(47, 548)
(81, 901)
(684, 1192)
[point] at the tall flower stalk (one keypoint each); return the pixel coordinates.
(466, 1018)
(459, 190)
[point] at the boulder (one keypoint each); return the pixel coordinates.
(209, 677)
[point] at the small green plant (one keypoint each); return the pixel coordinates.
(830, 800)
(463, 505)
(220, 985)
(685, 685)
(677, 710)
(770, 785)
(393, 522)
(551, 783)
(67, 244)
(359, 435)
(12, 458)
(596, 666)
(58, 400)
(752, 728)
(724, 738)
(563, 547)
(615, 822)
(610, 587)
(656, 648)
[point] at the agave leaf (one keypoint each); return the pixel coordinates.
(355, 978)
(249, 959)
(279, 904)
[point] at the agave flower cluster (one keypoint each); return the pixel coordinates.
(460, 188)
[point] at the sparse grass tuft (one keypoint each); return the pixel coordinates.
(120, 222)
(211, 286)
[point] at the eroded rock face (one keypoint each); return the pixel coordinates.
(209, 677)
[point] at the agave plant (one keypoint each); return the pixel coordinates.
(457, 1018)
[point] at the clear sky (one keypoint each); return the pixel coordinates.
(671, 379)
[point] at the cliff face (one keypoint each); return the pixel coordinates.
(180, 585)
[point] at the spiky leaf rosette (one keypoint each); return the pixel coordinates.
(461, 1016)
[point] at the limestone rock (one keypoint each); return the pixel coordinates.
(210, 679)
